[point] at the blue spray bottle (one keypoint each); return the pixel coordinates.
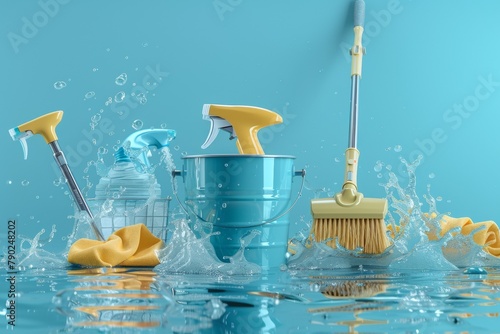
(128, 194)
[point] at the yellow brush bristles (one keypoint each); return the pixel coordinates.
(368, 233)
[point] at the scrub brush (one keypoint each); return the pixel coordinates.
(349, 218)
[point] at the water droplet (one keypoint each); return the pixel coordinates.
(126, 57)
(137, 124)
(432, 175)
(25, 183)
(95, 69)
(120, 96)
(59, 85)
(176, 147)
(108, 101)
(398, 148)
(116, 195)
(102, 150)
(475, 271)
(89, 95)
(378, 166)
(141, 97)
(96, 118)
(227, 165)
(184, 153)
(121, 79)
(337, 159)
(379, 175)
(439, 198)
(9, 182)
(163, 125)
(219, 185)
(32, 217)
(224, 205)
(37, 197)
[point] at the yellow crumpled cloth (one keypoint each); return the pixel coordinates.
(489, 237)
(132, 246)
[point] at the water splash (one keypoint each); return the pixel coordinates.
(33, 256)
(185, 253)
(415, 232)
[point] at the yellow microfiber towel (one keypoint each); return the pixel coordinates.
(489, 237)
(132, 246)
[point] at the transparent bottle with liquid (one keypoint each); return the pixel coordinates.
(126, 197)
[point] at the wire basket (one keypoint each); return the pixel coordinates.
(111, 215)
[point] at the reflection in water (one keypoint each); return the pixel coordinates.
(117, 297)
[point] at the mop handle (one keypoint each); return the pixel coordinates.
(73, 186)
(357, 52)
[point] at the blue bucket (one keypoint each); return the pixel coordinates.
(237, 194)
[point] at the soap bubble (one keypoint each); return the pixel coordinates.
(120, 96)
(224, 205)
(25, 183)
(89, 95)
(176, 147)
(379, 175)
(145, 44)
(59, 85)
(337, 159)
(137, 124)
(432, 175)
(398, 148)
(9, 181)
(121, 79)
(108, 101)
(95, 69)
(219, 185)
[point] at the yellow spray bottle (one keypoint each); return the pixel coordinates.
(46, 127)
(242, 122)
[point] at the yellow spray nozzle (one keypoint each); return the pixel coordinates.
(243, 122)
(44, 125)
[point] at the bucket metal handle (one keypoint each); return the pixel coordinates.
(301, 173)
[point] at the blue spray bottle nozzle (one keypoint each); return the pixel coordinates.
(158, 138)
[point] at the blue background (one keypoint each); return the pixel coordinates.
(424, 58)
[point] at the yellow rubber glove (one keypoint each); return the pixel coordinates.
(132, 246)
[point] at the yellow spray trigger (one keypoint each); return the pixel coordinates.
(243, 122)
(44, 125)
